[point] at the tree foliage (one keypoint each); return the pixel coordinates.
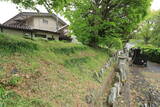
(155, 34)
(50, 5)
(98, 22)
(145, 30)
(149, 31)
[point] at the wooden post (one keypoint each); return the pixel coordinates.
(46, 37)
(52, 37)
(32, 35)
(1, 29)
(57, 26)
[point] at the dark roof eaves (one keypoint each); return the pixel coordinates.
(26, 29)
(45, 31)
(15, 27)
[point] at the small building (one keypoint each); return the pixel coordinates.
(34, 24)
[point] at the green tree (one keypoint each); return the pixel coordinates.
(145, 30)
(94, 21)
(155, 36)
(50, 5)
(149, 29)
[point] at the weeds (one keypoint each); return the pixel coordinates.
(11, 99)
(9, 45)
(14, 81)
(68, 50)
(76, 61)
(50, 67)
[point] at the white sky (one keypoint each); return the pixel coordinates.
(155, 5)
(8, 10)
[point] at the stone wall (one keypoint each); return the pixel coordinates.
(116, 69)
(120, 79)
(105, 76)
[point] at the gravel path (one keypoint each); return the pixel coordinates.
(142, 88)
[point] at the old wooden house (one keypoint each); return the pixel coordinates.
(34, 24)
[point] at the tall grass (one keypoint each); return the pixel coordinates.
(11, 99)
(74, 62)
(44, 63)
(68, 50)
(10, 45)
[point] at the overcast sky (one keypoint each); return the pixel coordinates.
(155, 5)
(8, 10)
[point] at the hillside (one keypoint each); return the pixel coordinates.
(40, 73)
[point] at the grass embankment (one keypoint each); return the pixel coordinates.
(39, 73)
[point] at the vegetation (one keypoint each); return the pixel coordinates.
(152, 53)
(155, 34)
(50, 5)
(43, 73)
(145, 31)
(97, 23)
(12, 99)
(148, 30)
(148, 36)
(105, 23)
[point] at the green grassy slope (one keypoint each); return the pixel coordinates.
(49, 73)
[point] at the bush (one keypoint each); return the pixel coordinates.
(111, 43)
(152, 53)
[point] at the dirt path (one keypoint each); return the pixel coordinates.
(142, 88)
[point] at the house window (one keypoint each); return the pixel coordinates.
(45, 21)
(51, 39)
(40, 35)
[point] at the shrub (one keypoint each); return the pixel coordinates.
(152, 53)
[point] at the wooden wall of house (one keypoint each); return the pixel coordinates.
(23, 33)
(13, 32)
(48, 35)
(45, 23)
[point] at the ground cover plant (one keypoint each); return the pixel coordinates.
(54, 72)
